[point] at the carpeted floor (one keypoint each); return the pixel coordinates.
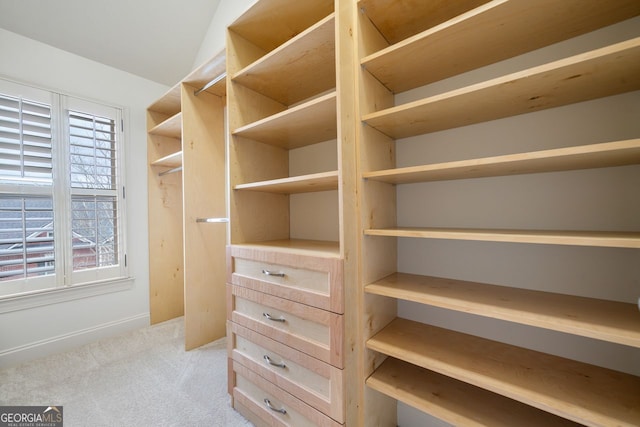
(143, 378)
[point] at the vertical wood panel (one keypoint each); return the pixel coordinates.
(204, 187)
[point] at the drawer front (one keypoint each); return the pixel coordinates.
(310, 330)
(272, 404)
(310, 280)
(312, 381)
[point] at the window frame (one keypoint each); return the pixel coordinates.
(64, 276)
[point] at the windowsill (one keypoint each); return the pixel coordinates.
(59, 295)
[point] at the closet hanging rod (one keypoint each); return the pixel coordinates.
(212, 219)
(211, 83)
(167, 172)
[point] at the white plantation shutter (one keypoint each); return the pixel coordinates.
(25, 139)
(95, 198)
(61, 191)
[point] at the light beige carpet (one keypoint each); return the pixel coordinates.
(143, 378)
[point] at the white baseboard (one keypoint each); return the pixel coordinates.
(14, 356)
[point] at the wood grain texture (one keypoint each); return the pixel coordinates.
(299, 126)
(468, 33)
(577, 391)
(251, 390)
(314, 382)
(169, 103)
(309, 279)
(550, 237)
(315, 332)
(172, 160)
(602, 72)
(308, 61)
(397, 20)
(454, 401)
(617, 153)
(600, 319)
(204, 243)
(172, 127)
(322, 181)
(270, 23)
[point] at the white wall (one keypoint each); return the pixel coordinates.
(53, 327)
(602, 199)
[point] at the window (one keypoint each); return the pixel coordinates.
(61, 191)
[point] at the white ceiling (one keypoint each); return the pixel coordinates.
(155, 39)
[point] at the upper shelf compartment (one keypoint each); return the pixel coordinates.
(467, 33)
(172, 127)
(270, 23)
(304, 124)
(299, 69)
(602, 72)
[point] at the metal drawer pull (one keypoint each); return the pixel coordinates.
(272, 363)
(270, 406)
(272, 273)
(273, 319)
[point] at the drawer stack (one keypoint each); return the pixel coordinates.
(285, 336)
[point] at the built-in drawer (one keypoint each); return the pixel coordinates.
(311, 380)
(310, 280)
(272, 404)
(310, 330)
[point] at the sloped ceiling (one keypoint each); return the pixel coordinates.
(154, 39)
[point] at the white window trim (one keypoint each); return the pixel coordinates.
(96, 284)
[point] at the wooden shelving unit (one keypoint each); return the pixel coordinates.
(323, 181)
(299, 126)
(460, 378)
(172, 160)
(308, 60)
(467, 32)
(291, 146)
(172, 127)
(576, 238)
(187, 258)
(608, 154)
(580, 392)
(453, 401)
(603, 72)
(611, 321)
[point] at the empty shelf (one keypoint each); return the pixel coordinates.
(468, 33)
(578, 391)
(454, 401)
(308, 61)
(608, 154)
(172, 127)
(173, 160)
(305, 124)
(299, 184)
(575, 238)
(607, 71)
(611, 321)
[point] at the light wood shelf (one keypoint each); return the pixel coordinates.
(169, 103)
(172, 127)
(322, 181)
(577, 391)
(318, 248)
(602, 72)
(398, 20)
(468, 33)
(270, 23)
(173, 160)
(611, 321)
(617, 153)
(305, 124)
(299, 69)
(573, 238)
(454, 401)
